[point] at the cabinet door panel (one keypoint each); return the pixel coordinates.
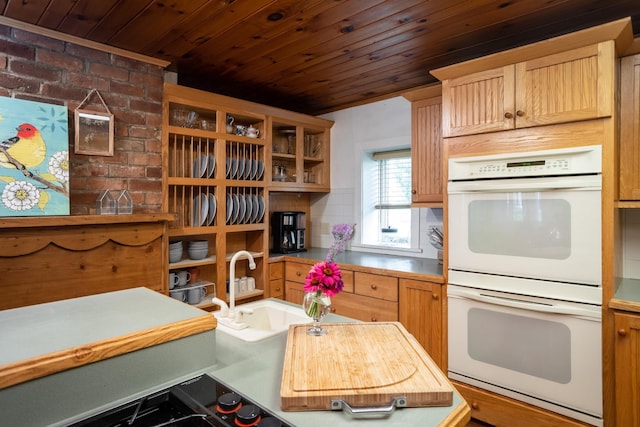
(478, 103)
(426, 151)
(630, 128)
(565, 87)
(421, 314)
(627, 369)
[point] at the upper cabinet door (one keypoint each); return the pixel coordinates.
(478, 103)
(426, 151)
(560, 88)
(565, 87)
(630, 128)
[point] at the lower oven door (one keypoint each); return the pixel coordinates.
(540, 351)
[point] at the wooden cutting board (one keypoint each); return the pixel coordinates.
(366, 364)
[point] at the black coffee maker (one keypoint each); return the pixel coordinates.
(288, 231)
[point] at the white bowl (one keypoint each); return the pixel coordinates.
(197, 253)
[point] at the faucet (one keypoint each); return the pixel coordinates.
(224, 308)
(232, 278)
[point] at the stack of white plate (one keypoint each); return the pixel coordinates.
(175, 251)
(198, 249)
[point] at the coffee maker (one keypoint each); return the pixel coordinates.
(288, 231)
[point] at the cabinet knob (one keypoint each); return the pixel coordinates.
(333, 310)
(508, 115)
(374, 287)
(435, 296)
(298, 274)
(414, 192)
(374, 319)
(622, 332)
(474, 405)
(520, 113)
(277, 289)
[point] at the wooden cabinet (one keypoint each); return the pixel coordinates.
(426, 147)
(276, 280)
(215, 185)
(563, 87)
(300, 155)
(627, 369)
(367, 297)
(630, 128)
(421, 314)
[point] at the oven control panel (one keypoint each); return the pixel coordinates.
(566, 161)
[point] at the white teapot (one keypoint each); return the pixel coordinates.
(253, 132)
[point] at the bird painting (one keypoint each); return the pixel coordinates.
(27, 147)
(34, 158)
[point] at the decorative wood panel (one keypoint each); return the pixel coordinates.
(46, 264)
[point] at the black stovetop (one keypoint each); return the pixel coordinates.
(200, 401)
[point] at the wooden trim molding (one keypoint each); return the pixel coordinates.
(37, 367)
(80, 41)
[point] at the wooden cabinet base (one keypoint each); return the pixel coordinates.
(502, 411)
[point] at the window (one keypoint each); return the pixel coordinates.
(387, 213)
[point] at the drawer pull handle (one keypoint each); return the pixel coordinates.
(508, 115)
(374, 287)
(475, 405)
(298, 274)
(368, 411)
(374, 319)
(520, 113)
(333, 310)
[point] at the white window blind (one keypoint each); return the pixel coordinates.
(393, 180)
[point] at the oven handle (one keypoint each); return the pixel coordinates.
(525, 305)
(574, 183)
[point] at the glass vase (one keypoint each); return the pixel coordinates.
(316, 305)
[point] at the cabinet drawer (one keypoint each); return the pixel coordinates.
(296, 272)
(276, 288)
(276, 270)
(364, 308)
(376, 286)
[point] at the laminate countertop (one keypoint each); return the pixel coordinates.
(252, 368)
(403, 266)
(627, 296)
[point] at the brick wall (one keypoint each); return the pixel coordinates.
(43, 69)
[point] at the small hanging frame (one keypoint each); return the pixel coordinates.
(94, 129)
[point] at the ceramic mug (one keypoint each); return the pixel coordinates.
(195, 295)
(184, 277)
(179, 295)
(173, 280)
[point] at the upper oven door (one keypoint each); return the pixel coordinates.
(540, 228)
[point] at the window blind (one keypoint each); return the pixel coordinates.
(393, 179)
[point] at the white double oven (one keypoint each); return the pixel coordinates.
(524, 279)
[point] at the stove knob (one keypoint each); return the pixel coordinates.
(269, 422)
(229, 402)
(248, 415)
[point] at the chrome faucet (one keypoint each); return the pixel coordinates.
(232, 278)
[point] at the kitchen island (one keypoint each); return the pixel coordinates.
(253, 369)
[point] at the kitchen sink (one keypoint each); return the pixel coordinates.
(260, 320)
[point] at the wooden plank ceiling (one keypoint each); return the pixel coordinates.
(315, 56)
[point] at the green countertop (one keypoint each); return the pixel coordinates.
(627, 295)
(255, 369)
(411, 267)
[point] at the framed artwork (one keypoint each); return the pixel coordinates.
(34, 158)
(94, 129)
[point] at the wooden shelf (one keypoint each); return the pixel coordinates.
(57, 221)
